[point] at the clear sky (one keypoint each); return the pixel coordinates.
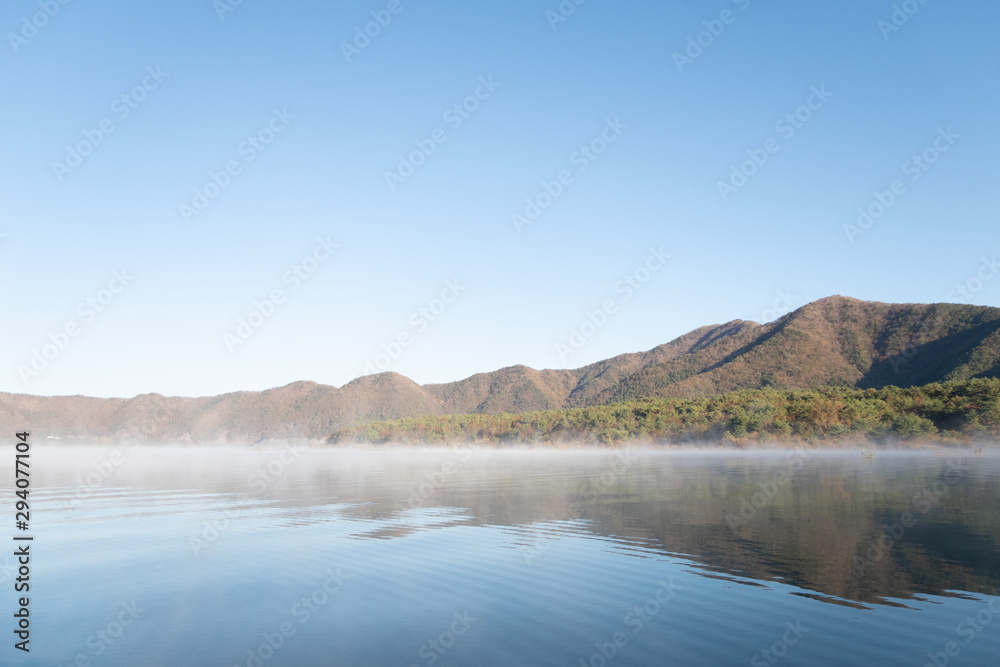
(121, 119)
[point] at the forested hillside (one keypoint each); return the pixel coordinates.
(953, 411)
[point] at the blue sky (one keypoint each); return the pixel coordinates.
(271, 81)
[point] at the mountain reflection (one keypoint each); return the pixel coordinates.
(871, 530)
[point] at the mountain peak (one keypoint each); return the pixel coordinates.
(837, 340)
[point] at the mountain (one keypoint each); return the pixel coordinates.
(955, 412)
(833, 341)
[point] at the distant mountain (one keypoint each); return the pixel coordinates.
(834, 341)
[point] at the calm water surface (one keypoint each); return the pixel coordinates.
(183, 556)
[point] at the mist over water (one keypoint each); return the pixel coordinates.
(290, 555)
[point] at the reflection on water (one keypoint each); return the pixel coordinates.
(463, 557)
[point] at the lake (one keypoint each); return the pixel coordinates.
(298, 556)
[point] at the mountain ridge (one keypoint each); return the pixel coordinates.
(833, 341)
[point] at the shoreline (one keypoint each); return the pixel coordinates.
(974, 448)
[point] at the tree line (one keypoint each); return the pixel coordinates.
(959, 411)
